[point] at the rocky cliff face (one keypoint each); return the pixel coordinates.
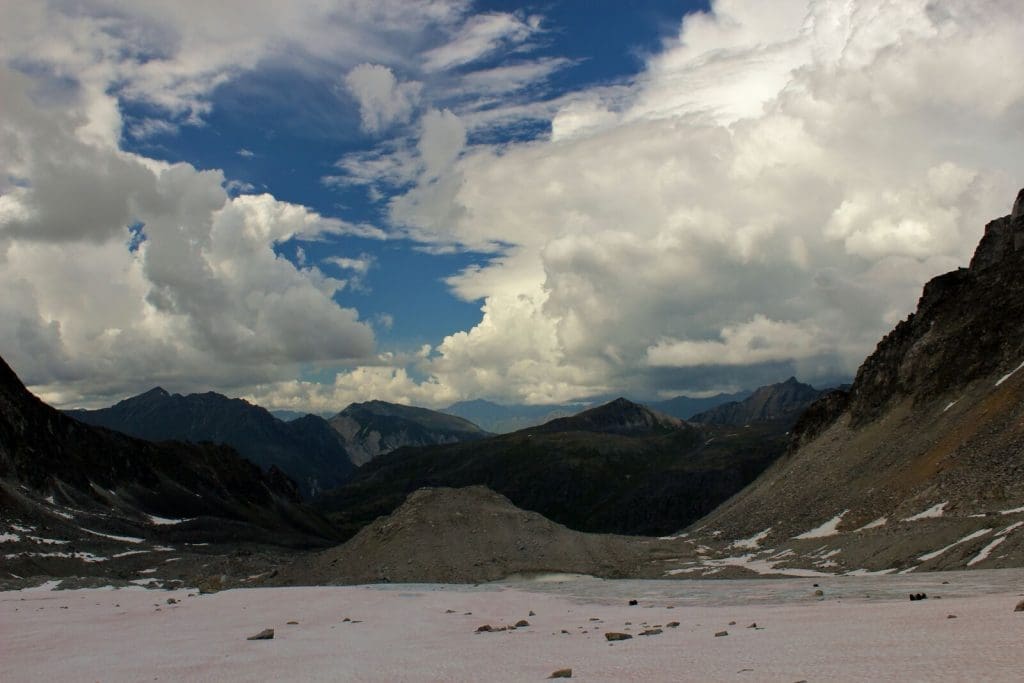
(927, 447)
(968, 325)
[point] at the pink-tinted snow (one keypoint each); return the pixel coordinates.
(405, 634)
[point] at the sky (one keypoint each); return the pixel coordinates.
(308, 204)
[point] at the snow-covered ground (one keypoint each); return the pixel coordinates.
(428, 633)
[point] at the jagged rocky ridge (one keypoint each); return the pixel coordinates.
(920, 465)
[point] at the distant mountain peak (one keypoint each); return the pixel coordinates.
(372, 428)
(620, 416)
(780, 401)
(309, 451)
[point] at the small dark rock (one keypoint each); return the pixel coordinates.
(753, 625)
(732, 623)
(293, 623)
(650, 632)
(951, 616)
(486, 628)
(171, 601)
(633, 603)
(265, 634)
(531, 614)
(721, 633)
(522, 623)
(449, 611)
(672, 624)
(612, 635)
(561, 673)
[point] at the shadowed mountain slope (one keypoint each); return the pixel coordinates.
(783, 402)
(63, 473)
(921, 463)
(375, 427)
(306, 449)
(618, 468)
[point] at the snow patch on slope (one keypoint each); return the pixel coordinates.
(875, 524)
(985, 551)
(1009, 374)
(123, 539)
(934, 511)
(163, 521)
(829, 528)
(969, 537)
(753, 542)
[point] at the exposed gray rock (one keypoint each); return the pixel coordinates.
(265, 634)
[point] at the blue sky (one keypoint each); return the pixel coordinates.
(297, 125)
(426, 201)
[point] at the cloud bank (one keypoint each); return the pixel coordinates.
(766, 196)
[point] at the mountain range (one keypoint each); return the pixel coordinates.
(619, 467)
(76, 498)
(502, 419)
(783, 402)
(916, 466)
(306, 449)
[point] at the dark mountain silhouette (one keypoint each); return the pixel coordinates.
(620, 416)
(619, 467)
(59, 471)
(306, 449)
(783, 402)
(376, 427)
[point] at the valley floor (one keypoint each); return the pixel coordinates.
(859, 628)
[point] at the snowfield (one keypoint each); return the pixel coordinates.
(428, 632)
